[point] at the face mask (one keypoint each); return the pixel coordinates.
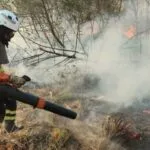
(9, 35)
(5, 35)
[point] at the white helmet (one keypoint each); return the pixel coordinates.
(9, 20)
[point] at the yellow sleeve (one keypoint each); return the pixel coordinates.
(1, 69)
(6, 69)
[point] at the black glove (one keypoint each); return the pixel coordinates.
(17, 81)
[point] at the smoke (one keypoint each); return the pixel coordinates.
(121, 62)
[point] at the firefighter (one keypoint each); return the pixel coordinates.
(10, 83)
(9, 24)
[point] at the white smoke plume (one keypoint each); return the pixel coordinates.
(121, 62)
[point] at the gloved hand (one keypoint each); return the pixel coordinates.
(17, 81)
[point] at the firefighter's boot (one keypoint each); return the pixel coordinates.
(9, 121)
(10, 126)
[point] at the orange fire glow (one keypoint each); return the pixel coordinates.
(130, 32)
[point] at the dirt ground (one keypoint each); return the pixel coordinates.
(84, 133)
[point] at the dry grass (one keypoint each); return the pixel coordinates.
(45, 131)
(106, 144)
(116, 125)
(39, 137)
(108, 136)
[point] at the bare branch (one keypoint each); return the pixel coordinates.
(59, 49)
(51, 25)
(58, 54)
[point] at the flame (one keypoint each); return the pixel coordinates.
(130, 32)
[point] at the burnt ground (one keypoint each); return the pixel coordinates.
(139, 112)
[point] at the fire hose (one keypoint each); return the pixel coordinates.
(35, 101)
